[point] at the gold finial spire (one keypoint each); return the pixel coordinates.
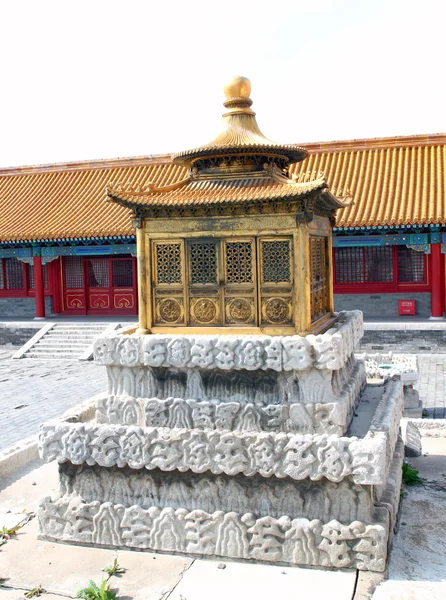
(237, 93)
(240, 134)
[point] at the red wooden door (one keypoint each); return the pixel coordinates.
(74, 296)
(98, 285)
(123, 285)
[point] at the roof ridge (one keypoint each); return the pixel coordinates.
(102, 163)
(403, 141)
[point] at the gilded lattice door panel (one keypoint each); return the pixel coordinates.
(168, 283)
(240, 293)
(276, 281)
(319, 277)
(204, 277)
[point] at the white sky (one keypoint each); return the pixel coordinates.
(90, 79)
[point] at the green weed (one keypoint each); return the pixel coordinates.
(94, 592)
(410, 475)
(114, 569)
(35, 592)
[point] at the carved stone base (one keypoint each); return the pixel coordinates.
(219, 534)
(261, 448)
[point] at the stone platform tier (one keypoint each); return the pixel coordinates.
(301, 384)
(240, 447)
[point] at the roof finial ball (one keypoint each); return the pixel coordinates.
(238, 87)
(237, 93)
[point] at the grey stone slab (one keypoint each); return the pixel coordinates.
(207, 579)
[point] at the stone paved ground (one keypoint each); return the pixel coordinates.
(33, 391)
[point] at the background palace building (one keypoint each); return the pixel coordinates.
(65, 250)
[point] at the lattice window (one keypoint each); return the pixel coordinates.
(2, 277)
(14, 274)
(31, 282)
(239, 257)
(98, 275)
(378, 264)
(318, 263)
(411, 265)
(168, 263)
(74, 276)
(276, 262)
(369, 264)
(348, 265)
(122, 273)
(203, 262)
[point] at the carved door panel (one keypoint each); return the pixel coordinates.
(205, 283)
(123, 279)
(168, 267)
(276, 280)
(319, 276)
(99, 293)
(239, 284)
(74, 294)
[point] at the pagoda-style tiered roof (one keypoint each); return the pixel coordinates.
(240, 166)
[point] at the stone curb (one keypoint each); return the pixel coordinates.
(23, 453)
(430, 427)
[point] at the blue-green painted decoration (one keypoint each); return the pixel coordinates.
(16, 252)
(89, 250)
(81, 241)
(55, 251)
(393, 239)
(384, 228)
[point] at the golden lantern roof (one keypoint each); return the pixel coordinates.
(240, 133)
(240, 167)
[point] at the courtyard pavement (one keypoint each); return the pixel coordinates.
(33, 391)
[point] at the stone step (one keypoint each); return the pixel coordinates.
(61, 345)
(91, 325)
(77, 329)
(52, 355)
(79, 326)
(66, 341)
(71, 336)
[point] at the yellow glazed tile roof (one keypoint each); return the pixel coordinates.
(393, 181)
(215, 191)
(68, 201)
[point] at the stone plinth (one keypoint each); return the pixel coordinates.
(240, 447)
(383, 366)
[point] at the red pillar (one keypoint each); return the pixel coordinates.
(437, 281)
(39, 288)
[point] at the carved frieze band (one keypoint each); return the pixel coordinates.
(344, 501)
(214, 414)
(280, 454)
(330, 350)
(230, 535)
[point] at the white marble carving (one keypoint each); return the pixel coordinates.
(251, 447)
(330, 350)
(233, 416)
(228, 535)
(230, 452)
